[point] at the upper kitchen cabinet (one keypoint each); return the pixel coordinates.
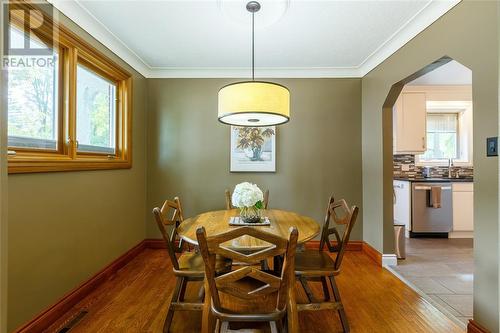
(410, 123)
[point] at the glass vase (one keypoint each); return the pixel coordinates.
(250, 214)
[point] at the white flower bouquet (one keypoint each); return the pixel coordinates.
(248, 198)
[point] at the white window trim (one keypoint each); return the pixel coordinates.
(464, 109)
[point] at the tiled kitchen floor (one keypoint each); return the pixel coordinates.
(443, 270)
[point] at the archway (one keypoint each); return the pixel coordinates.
(428, 218)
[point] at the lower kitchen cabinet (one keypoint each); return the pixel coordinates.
(463, 207)
(462, 202)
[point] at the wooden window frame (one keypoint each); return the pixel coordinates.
(72, 51)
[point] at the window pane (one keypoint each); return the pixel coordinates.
(32, 95)
(442, 136)
(441, 146)
(442, 122)
(96, 112)
(16, 38)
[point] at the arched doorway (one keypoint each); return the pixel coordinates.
(433, 183)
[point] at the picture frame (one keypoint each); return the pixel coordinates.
(253, 149)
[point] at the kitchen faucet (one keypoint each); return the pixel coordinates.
(450, 165)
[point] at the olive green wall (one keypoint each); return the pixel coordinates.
(318, 151)
(65, 227)
(469, 33)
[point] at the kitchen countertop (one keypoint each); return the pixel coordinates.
(436, 180)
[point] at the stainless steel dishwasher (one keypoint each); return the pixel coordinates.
(427, 220)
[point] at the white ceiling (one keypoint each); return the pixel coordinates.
(294, 38)
(452, 73)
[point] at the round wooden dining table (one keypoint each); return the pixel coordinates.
(217, 222)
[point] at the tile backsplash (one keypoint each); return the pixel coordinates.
(404, 167)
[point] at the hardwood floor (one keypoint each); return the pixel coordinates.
(135, 300)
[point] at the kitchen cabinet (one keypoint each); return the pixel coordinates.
(463, 207)
(410, 118)
(461, 210)
(402, 204)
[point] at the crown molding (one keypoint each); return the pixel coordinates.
(260, 72)
(88, 22)
(416, 24)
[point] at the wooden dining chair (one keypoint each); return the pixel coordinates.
(188, 267)
(314, 265)
(249, 293)
(229, 204)
(174, 209)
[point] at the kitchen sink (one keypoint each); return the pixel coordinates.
(453, 179)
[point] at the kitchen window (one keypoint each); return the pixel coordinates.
(442, 136)
(71, 111)
(449, 134)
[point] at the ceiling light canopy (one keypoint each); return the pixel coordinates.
(254, 103)
(236, 13)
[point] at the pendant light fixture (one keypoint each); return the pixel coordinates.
(254, 103)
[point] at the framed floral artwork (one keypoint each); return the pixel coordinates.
(253, 149)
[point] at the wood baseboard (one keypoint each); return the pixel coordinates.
(351, 246)
(474, 327)
(372, 253)
(53, 313)
(154, 243)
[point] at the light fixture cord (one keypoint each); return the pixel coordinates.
(253, 46)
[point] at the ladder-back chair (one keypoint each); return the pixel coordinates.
(188, 266)
(262, 294)
(314, 265)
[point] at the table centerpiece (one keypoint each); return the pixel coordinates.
(249, 199)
